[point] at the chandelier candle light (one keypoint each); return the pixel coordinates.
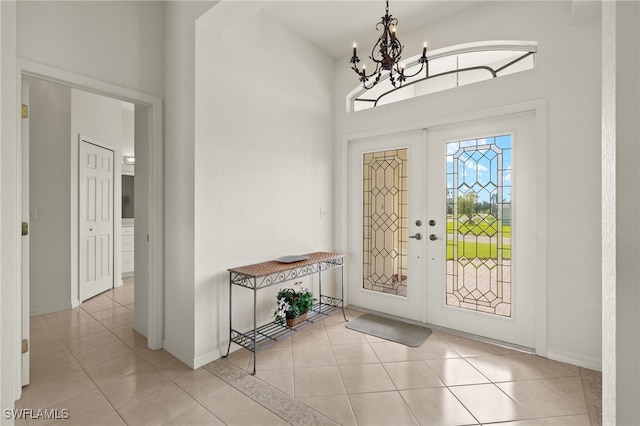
(388, 56)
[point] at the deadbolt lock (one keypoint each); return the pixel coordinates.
(432, 222)
(25, 228)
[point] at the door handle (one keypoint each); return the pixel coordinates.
(418, 236)
(433, 237)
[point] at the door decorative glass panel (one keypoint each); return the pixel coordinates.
(385, 220)
(479, 225)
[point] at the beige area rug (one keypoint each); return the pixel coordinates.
(390, 329)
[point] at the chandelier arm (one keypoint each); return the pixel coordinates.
(422, 64)
(366, 76)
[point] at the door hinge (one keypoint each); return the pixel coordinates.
(25, 111)
(25, 346)
(25, 228)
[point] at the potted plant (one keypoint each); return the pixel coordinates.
(293, 305)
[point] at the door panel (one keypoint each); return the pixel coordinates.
(96, 232)
(482, 194)
(385, 272)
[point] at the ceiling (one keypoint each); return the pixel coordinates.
(333, 25)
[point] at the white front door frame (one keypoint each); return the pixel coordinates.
(156, 195)
(539, 108)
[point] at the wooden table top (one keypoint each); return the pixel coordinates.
(273, 266)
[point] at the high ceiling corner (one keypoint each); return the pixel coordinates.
(332, 26)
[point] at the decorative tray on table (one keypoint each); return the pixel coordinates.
(292, 258)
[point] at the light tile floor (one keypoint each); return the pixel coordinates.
(90, 362)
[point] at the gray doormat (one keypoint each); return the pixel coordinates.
(390, 329)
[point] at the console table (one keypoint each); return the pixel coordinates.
(267, 274)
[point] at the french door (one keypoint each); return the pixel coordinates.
(482, 195)
(386, 248)
(442, 227)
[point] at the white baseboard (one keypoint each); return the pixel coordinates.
(206, 359)
(175, 352)
(577, 360)
(51, 309)
(194, 363)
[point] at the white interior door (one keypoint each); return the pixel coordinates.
(96, 219)
(385, 251)
(482, 197)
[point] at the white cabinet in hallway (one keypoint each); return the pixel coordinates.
(128, 266)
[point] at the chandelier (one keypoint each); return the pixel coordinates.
(388, 55)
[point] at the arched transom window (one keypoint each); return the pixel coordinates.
(447, 68)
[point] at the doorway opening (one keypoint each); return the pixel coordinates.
(148, 136)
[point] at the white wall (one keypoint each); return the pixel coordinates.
(100, 118)
(143, 227)
(128, 132)
(627, 212)
(49, 194)
(116, 42)
(180, 18)
(565, 76)
(263, 160)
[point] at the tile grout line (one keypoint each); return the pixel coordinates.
(331, 344)
(444, 386)
(98, 388)
(152, 365)
(84, 369)
(254, 387)
(120, 340)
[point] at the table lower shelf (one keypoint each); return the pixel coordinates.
(269, 334)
